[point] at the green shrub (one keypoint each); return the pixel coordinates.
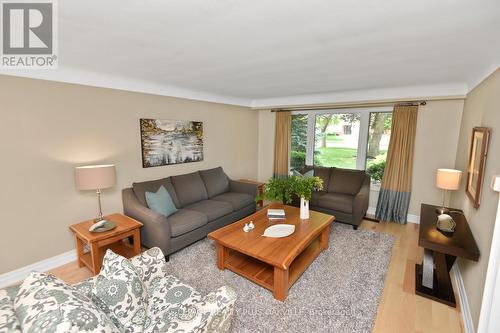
(376, 171)
(298, 159)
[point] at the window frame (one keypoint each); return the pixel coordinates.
(363, 129)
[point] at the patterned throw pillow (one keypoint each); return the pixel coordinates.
(46, 304)
(8, 319)
(151, 267)
(120, 293)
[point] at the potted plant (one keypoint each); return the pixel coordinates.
(303, 187)
(283, 190)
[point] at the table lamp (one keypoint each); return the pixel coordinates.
(447, 180)
(96, 178)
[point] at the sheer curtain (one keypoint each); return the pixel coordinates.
(282, 144)
(395, 191)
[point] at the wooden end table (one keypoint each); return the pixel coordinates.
(260, 189)
(432, 277)
(99, 242)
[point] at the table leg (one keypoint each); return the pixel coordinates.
(221, 255)
(137, 242)
(95, 254)
(280, 283)
(324, 238)
(79, 251)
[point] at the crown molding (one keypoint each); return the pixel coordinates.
(75, 76)
(436, 91)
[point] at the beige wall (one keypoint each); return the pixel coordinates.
(482, 108)
(48, 128)
(438, 127)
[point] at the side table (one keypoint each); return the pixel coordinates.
(99, 242)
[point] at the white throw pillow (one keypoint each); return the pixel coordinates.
(46, 304)
(119, 290)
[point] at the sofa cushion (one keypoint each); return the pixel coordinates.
(324, 174)
(212, 209)
(336, 201)
(345, 181)
(315, 197)
(186, 220)
(141, 188)
(180, 307)
(161, 202)
(151, 266)
(235, 199)
(46, 304)
(189, 188)
(215, 180)
(8, 319)
(122, 295)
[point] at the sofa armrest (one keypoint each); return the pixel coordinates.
(156, 230)
(217, 309)
(242, 187)
(361, 201)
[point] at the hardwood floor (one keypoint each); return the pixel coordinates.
(400, 310)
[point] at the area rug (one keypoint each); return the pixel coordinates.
(339, 292)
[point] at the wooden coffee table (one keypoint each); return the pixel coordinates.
(273, 263)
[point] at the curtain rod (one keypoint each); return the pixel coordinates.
(349, 106)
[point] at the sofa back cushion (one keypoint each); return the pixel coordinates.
(324, 174)
(189, 188)
(215, 180)
(153, 186)
(346, 181)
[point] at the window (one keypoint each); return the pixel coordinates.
(349, 138)
(336, 140)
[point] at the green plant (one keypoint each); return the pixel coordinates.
(304, 186)
(376, 171)
(283, 189)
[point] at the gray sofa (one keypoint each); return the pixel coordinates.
(206, 200)
(345, 194)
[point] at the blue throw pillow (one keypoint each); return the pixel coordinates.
(161, 202)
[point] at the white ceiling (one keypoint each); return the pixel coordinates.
(263, 52)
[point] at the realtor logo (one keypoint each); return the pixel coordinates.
(28, 34)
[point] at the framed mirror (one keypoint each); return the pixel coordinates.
(477, 161)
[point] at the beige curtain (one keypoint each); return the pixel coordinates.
(394, 196)
(282, 144)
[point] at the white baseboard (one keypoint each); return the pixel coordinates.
(15, 276)
(411, 218)
(464, 302)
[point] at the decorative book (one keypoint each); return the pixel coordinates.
(276, 213)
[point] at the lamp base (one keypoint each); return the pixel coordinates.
(442, 210)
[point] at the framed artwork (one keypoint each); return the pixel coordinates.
(166, 142)
(477, 161)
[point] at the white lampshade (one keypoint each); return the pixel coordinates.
(495, 183)
(448, 179)
(95, 177)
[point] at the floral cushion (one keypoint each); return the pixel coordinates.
(151, 266)
(8, 320)
(46, 304)
(120, 293)
(183, 311)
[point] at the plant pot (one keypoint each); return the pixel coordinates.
(304, 208)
